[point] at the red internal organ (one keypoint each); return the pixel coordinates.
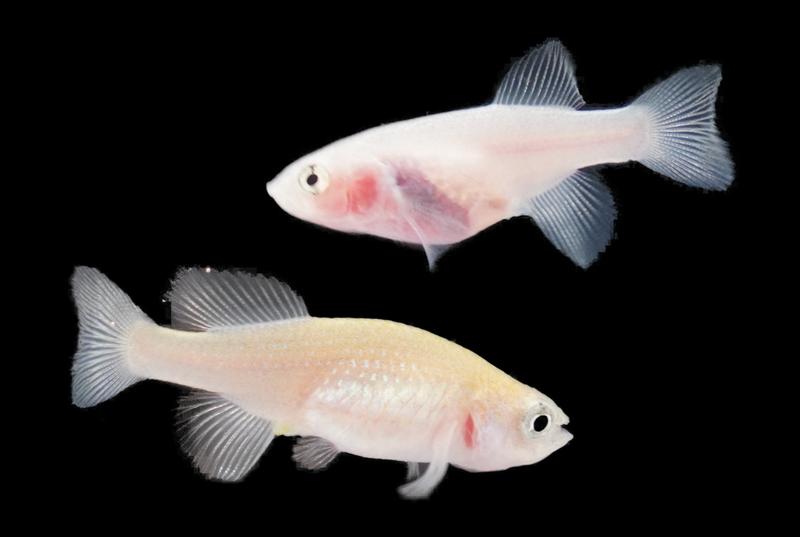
(436, 214)
(362, 194)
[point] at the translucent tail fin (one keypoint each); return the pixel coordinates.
(684, 143)
(106, 316)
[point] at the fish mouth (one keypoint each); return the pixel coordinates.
(273, 190)
(286, 203)
(565, 437)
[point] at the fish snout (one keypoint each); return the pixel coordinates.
(562, 438)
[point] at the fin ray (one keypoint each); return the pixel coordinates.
(313, 452)
(205, 300)
(223, 440)
(685, 144)
(577, 216)
(543, 77)
(106, 316)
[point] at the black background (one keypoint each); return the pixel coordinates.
(165, 129)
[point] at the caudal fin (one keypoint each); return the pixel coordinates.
(683, 141)
(106, 316)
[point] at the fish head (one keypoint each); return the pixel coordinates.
(541, 429)
(517, 434)
(341, 191)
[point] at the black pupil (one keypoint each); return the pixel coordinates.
(540, 423)
(312, 179)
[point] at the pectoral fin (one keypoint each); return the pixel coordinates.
(432, 251)
(436, 220)
(423, 485)
(414, 470)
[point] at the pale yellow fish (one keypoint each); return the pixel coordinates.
(261, 367)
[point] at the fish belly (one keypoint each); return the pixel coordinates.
(383, 414)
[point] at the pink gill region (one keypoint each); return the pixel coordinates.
(362, 194)
(469, 432)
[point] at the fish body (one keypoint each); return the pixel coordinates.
(262, 367)
(439, 179)
(476, 166)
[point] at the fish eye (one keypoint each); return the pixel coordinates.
(540, 423)
(537, 422)
(314, 179)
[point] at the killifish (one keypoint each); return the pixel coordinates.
(259, 366)
(439, 179)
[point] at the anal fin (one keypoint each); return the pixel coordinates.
(223, 440)
(577, 216)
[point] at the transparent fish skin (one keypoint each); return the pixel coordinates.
(374, 388)
(488, 161)
(439, 179)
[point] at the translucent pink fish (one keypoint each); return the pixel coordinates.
(439, 179)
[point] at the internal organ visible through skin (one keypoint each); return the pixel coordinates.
(362, 194)
(425, 213)
(444, 177)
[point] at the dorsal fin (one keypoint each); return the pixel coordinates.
(205, 299)
(543, 77)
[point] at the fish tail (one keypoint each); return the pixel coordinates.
(106, 316)
(682, 139)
